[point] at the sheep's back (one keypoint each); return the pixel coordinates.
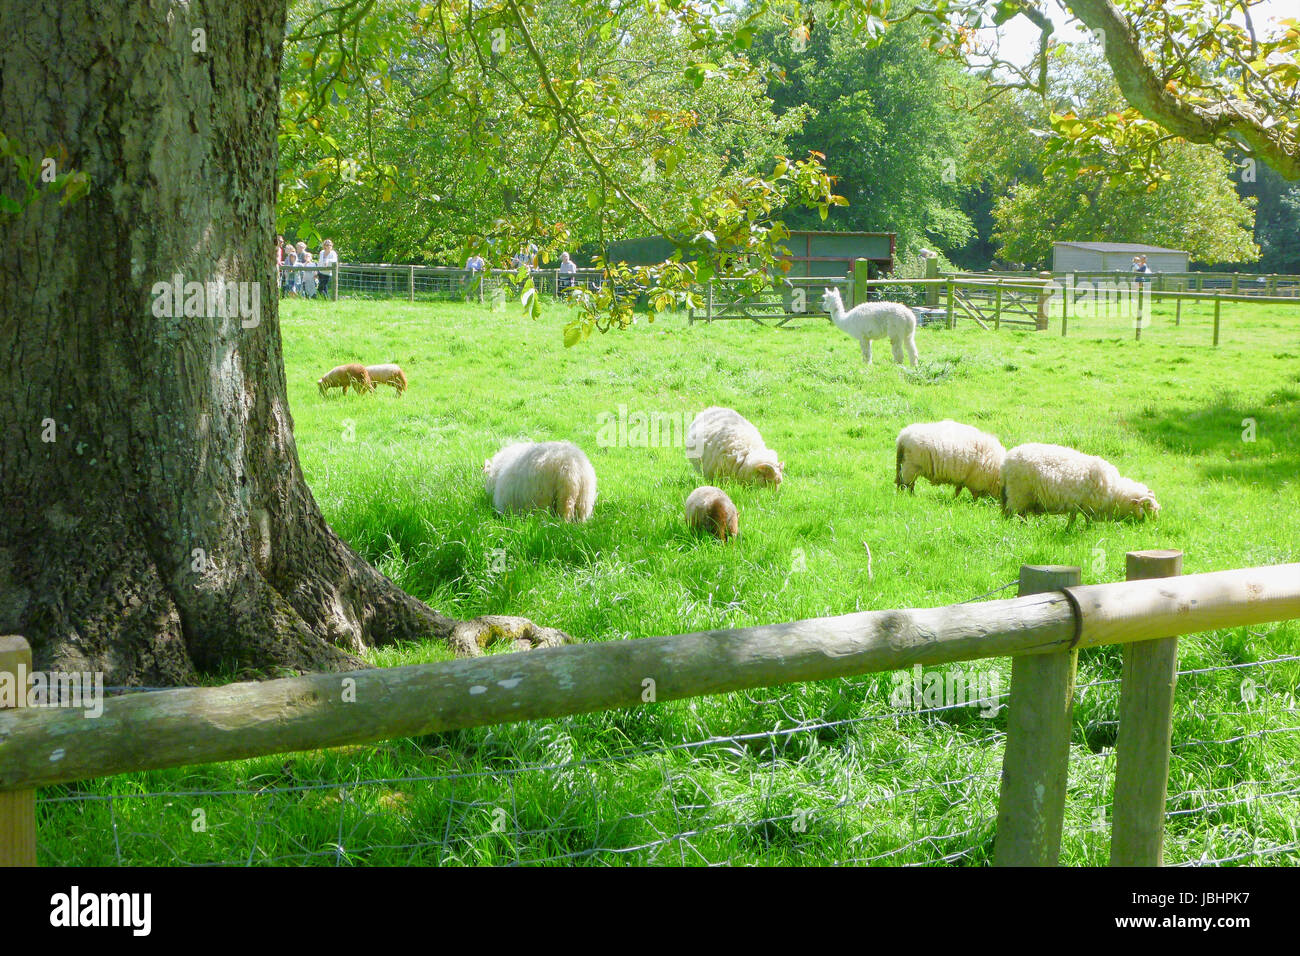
(949, 452)
(544, 475)
(722, 439)
(1056, 479)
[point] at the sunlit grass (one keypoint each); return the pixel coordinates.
(399, 479)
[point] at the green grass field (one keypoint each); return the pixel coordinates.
(815, 773)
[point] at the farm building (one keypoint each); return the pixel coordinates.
(1114, 257)
(810, 253)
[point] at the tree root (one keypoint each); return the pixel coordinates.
(471, 638)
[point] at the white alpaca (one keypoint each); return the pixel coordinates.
(1052, 479)
(875, 320)
(721, 443)
(949, 453)
(553, 475)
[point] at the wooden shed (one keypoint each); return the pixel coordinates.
(1114, 257)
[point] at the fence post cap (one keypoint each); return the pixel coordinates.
(9, 643)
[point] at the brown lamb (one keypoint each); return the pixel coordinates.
(709, 509)
(345, 375)
(388, 375)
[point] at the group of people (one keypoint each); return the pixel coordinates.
(476, 265)
(307, 283)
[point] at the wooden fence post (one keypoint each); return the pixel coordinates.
(17, 807)
(708, 308)
(1178, 311)
(410, 283)
(997, 312)
(1146, 706)
(952, 316)
(1035, 766)
(1218, 303)
(861, 275)
(932, 291)
(1040, 320)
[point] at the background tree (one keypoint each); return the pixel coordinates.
(436, 140)
(1193, 205)
(1201, 70)
(888, 118)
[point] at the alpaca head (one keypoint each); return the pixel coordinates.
(831, 297)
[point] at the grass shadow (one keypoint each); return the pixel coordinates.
(1231, 438)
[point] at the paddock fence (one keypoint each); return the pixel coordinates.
(1042, 631)
(1270, 284)
(426, 283)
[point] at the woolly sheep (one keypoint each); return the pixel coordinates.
(343, 376)
(1052, 479)
(391, 374)
(709, 509)
(950, 453)
(720, 443)
(552, 475)
(875, 320)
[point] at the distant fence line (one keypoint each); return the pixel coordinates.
(989, 299)
(388, 281)
(1238, 283)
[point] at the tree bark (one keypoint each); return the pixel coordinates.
(156, 524)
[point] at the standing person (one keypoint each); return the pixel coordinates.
(1141, 271)
(299, 283)
(328, 258)
(568, 269)
(287, 258)
(279, 262)
(308, 276)
(474, 269)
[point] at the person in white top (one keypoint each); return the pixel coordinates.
(328, 258)
(568, 268)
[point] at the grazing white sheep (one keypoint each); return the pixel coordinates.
(950, 453)
(875, 320)
(552, 475)
(1052, 479)
(721, 443)
(709, 509)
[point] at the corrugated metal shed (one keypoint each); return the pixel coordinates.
(1114, 257)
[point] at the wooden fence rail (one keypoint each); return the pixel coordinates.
(195, 725)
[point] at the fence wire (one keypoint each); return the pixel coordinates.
(910, 785)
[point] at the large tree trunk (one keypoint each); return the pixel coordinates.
(166, 530)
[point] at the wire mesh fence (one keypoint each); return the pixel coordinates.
(426, 283)
(896, 780)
